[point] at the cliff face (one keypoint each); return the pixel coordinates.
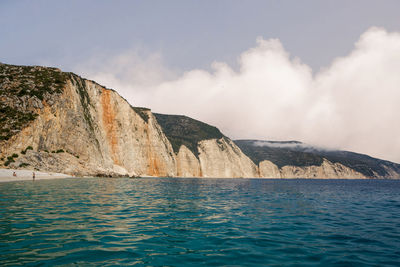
(267, 169)
(292, 159)
(83, 128)
(203, 151)
(326, 170)
(95, 131)
(218, 158)
(130, 138)
(187, 163)
(222, 158)
(56, 121)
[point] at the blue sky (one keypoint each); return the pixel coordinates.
(189, 34)
(322, 72)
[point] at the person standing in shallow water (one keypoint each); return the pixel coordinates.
(33, 175)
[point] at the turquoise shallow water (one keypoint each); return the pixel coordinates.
(183, 222)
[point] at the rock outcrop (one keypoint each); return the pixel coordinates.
(82, 128)
(95, 132)
(202, 150)
(187, 164)
(222, 158)
(218, 158)
(293, 159)
(326, 170)
(59, 122)
(267, 169)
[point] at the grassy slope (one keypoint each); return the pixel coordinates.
(19, 83)
(305, 156)
(182, 130)
(279, 156)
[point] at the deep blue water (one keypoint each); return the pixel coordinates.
(183, 222)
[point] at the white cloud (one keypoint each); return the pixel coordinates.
(353, 104)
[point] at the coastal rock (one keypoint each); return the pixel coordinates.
(187, 163)
(95, 130)
(326, 170)
(59, 122)
(295, 159)
(222, 158)
(268, 169)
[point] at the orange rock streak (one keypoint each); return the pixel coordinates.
(109, 124)
(153, 162)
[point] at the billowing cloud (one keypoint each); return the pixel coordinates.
(353, 104)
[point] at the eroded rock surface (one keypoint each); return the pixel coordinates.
(95, 131)
(326, 170)
(59, 122)
(187, 164)
(222, 158)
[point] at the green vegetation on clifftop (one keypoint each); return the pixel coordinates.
(182, 130)
(280, 156)
(30, 81)
(142, 112)
(293, 153)
(84, 98)
(22, 91)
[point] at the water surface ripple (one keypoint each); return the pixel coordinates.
(181, 222)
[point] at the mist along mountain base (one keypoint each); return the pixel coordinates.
(295, 159)
(59, 122)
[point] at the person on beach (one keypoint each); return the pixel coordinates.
(14, 174)
(33, 175)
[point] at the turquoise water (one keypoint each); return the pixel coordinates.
(183, 222)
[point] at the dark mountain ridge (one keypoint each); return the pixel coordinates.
(299, 154)
(42, 109)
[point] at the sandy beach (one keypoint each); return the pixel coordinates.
(6, 175)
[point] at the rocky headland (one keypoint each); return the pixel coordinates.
(56, 121)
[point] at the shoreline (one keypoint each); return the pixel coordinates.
(6, 175)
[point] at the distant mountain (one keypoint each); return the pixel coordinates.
(294, 153)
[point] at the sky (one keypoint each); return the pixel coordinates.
(321, 72)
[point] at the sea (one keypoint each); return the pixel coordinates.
(200, 222)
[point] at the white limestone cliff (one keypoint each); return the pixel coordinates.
(187, 163)
(222, 158)
(99, 132)
(267, 169)
(325, 171)
(78, 127)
